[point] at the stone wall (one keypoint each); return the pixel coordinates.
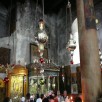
(26, 24)
(27, 18)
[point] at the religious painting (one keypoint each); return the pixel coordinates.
(37, 84)
(16, 88)
(35, 54)
(2, 84)
(74, 89)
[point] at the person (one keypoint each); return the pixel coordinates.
(46, 98)
(59, 97)
(38, 98)
(55, 98)
(51, 98)
(23, 99)
(27, 97)
(65, 96)
(6, 99)
(32, 97)
(42, 97)
(78, 99)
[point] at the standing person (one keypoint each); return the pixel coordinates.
(51, 98)
(32, 97)
(55, 98)
(42, 97)
(22, 99)
(27, 97)
(38, 98)
(65, 97)
(46, 98)
(59, 96)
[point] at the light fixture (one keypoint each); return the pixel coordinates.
(71, 45)
(42, 35)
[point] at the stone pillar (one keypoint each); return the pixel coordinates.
(89, 51)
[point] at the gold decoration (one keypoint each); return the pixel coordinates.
(2, 83)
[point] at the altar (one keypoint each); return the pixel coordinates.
(43, 80)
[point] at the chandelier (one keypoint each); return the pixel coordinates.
(71, 45)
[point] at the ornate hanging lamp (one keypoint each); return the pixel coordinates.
(71, 45)
(42, 36)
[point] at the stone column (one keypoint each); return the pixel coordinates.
(89, 51)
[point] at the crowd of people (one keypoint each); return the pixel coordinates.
(49, 97)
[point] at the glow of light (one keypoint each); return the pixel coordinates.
(96, 21)
(41, 26)
(71, 97)
(41, 47)
(53, 85)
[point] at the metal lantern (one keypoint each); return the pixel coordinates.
(42, 35)
(71, 45)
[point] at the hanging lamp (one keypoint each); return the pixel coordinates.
(71, 45)
(42, 36)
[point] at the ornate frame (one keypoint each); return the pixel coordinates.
(34, 52)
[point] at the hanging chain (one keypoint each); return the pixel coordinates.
(36, 9)
(66, 24)
(43, 8)
(9, 26)
(70, 14)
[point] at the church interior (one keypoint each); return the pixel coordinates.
(51, 45)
